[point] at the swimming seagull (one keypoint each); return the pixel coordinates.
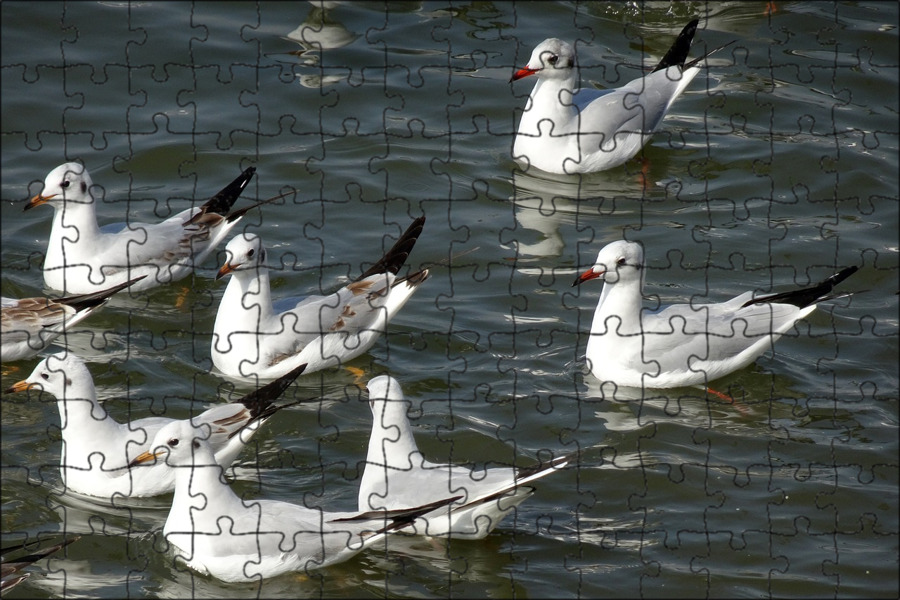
(254, 338)
(564, 130)
(683, 344)
(218, 533)
(83, 258)
(397, 474)
(29, 325)
(97, 449)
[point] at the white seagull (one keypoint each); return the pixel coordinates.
(564, 130)
(97, 449)
(254, 338)
(396, 474)
(83, 258)
(683, 344)
(29, 325)
(218, 533)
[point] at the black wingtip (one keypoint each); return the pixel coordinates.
(222, 202)
(17, 564)
(259, 402)
(841, 276)
(678, 53)
(806, 296)
(82, 301)
(395, 258)
(525, 472)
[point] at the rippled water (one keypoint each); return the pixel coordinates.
(774, 168)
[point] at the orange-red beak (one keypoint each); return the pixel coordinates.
(226, 269)
(19, 386)
(523, 73)
(587, 276)
(37, 201)
(143, 458)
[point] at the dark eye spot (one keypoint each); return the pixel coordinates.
(173, 442)
(83, 187)
(65, 184)
(553, 59)
(45, 376)
(621, 262)
(251, 252)
(196, 444)
(262, 254)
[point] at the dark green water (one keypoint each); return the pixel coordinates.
(773, 169)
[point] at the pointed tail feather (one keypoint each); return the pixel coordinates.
(539, 470)
(394, 258)
(240, 213)
(523, 476)
(699, 59)
(400, 517)
(812, 295)
(222, 202)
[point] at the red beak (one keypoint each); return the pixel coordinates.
(587, 276)
(523, 73)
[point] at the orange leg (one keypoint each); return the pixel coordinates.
(741, 407)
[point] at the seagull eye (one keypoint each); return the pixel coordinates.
(173, 442)
(250, 253)
(621, 262)
(196, 444)
(66, 183)
(553, 59)
(45, 376)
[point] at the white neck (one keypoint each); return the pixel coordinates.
(194, 484)
(74, 224)
(550, 101)
(385, 447)
(622, 302)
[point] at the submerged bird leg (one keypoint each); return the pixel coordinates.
(181, 300)
(357, 376)
(740, 406)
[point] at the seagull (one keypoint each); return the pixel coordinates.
(97, 449)
(29, 325)
(564, 130)
(218, 533)
(683, 344)
(83, 258)
(254, 338)
(396, 473)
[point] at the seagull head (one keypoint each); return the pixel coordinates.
(57, 375)
(181, 444)
(68, 183)
(620, 261)
(551, 59)
(386, 396)
(244, 252)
